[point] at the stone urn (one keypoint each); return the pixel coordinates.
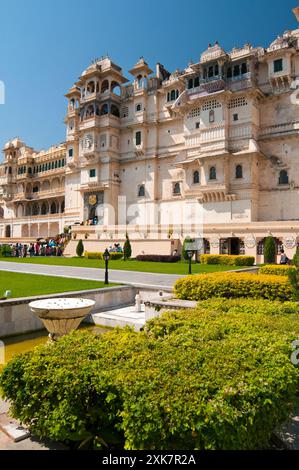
(61, 316)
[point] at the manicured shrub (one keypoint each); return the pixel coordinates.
(5, 251)
(270, 251)
(228, 260)
(233, 285)
(80, 248)
(98, 255)
(159, 258)
(217, 377)
(276, 270)
(127, 248)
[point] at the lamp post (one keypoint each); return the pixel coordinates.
(106, 257)
(190, 256)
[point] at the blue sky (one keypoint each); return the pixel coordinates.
(45, 45)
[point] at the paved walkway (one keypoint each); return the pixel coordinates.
(138, 279)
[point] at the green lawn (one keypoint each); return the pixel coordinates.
(130, 265)
(26, 285)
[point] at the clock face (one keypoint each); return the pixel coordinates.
(250, 242)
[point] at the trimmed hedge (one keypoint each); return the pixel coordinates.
(228, 260)
(218, 377)
(234, 285)
(5, 251)
(96, 255)
(159, 258)
(276, 270)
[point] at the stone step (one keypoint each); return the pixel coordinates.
(121, 318)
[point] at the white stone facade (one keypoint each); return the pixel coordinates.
(222, 135)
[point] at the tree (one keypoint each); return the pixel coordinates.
(296, 258)
(184, 250)
(293, 275)
(80, 249)
(270, 251)
(127, 248)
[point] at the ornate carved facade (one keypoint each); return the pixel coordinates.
(223, 133)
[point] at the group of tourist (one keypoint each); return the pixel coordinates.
(116, 248)
(52, 247)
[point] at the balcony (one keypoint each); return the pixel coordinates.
(207, 86)
(277, 130)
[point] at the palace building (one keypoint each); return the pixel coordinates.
(220, 136)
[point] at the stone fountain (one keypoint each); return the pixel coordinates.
(61, 316)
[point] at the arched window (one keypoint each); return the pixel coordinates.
(141, 191)
(53, 208)
(177, 189)
(283, 177)
(114, 110)
(138, 108)
(239, 172)
(105, 86)
(213, 173)
(212, 115)
(59, 163)
(35, 209)
(104, 109)
(8, 231)
(62, 207)
(196, 177)
(53, 165)
(229, 73)
(9, 170)
(44, 209)
(56, 163)
(115, 88)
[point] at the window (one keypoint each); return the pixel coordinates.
(196, 177)
(92, 173)
(196, 82)
(177, 189)
(71, 153)
(190, 83)
(229, 73)
(283, 177)
(244, 68)
(138, 138)
(236, 70)
(35, 189)
(236, 117)
(278, 65)
(212, 116)
(141, 191)
(138, 108)
(239, 172)
(213, 173)
(197, 125)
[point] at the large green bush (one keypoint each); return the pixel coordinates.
(277, 270)
(218, 377)
(5, 251)
(234, 285)
(270, 251)
(228, 260)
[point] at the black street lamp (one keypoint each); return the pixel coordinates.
(190, 256)
(106, 257)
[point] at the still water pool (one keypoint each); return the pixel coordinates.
(23, 343)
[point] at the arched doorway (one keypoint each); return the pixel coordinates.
(8, 231)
